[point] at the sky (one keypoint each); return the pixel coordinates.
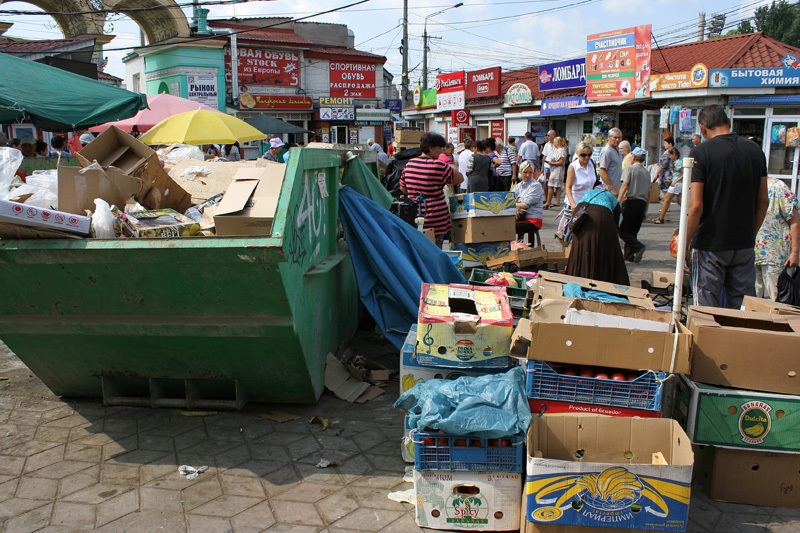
(479, 34)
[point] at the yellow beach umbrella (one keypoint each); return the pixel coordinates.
(201, 127)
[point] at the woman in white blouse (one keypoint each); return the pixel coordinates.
(581, 175)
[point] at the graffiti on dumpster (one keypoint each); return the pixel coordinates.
(311, 214)
(295, 245)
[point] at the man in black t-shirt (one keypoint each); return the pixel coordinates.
(728, 203)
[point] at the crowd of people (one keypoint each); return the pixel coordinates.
(743, 228)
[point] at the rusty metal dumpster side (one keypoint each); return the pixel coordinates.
(189, 322)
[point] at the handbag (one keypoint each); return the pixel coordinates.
(789, 286)
(579, 218)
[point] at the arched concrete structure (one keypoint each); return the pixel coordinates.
(157, 24)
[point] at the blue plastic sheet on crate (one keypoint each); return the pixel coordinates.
(644, 392)
(491, 406)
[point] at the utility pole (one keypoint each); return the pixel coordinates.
(425, 44)
(404, 46)
(701, 27)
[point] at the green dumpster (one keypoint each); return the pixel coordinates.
(193, 322)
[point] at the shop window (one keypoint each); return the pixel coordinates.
(781, 157)
(587, 126)
(750, 127)
(786, 111)
(745, 111)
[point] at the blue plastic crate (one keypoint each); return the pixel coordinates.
(471, 453)
(644, 392)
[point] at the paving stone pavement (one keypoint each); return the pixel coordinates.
(73, 465)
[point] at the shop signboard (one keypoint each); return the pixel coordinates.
(563, 75)
(450, 82)
(203, 89)
(393, 104)
(460, 117)
(485, 82)
(272, 101)
(696, 78)
(261, 66)
(754, 77)
(352, 79)
(618, 64)
(337, 113)
(426, 98)
(373, 115)
(452, 135)
(519, 93)
(450, 101)
(340, 101)
(497, 127)
(567, 105)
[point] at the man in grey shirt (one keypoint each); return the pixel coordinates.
(529, 151)
(633, 195)
(611, 161)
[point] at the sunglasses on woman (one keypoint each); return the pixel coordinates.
(584, 155)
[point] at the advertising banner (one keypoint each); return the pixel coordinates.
(450, 101)
(337, 113)
(260, 66)
(618, 64)
(393, 105)
(563, 106)
(498, 129)
(328, 101)
(692, 79)
(460, 117)
(519, 93)
(754, 77)
(563, 75)
(383, 115)
(450, 83)
(484, 82)
(352, 79)
(203, 89)
(271, 101)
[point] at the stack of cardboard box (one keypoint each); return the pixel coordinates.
(630, 469)
(483, 225)
(741, 402)
(461, 481)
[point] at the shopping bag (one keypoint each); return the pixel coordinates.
(673, 244)
(789, 286)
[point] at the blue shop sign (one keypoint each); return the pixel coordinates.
(754, 77)
(569, 105)
(563, 75)
(394, 104)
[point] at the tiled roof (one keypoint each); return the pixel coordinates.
(15, 46)
(106, 76)
(267, 35)
(326, 51)
(750, 50)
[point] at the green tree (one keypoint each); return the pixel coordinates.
(781, 21)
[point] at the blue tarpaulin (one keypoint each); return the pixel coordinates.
(392, 260)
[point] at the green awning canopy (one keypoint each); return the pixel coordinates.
(269, 125)
(57, 100)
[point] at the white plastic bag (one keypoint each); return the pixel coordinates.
(103, 221)
(178, 151)
(10, 160)
(42, 186)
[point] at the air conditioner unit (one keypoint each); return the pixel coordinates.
(368, 106)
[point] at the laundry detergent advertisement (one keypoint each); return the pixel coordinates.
(603, 495)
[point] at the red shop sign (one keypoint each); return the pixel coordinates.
(460, 117)
(352, 79)
(260, 66)
(498, 129)
(274, 101)
(484, 82)
(450, 83)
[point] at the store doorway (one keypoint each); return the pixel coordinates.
(339, 135)
(631, 125)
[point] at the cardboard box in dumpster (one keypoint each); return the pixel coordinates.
(482, 204)
(409, 137)
(546, 337)
(115, 148)
(158, 223)
(630, 473)
(745, 349)
(249, 204)
(522, 257)
(37, 217)
(412, 371)
(463, 326)
(478, 254)
(738, 418)
(751, 477)
(763, 305)
(475, 501)
(550, 285)
(78, 188)
(483, 229)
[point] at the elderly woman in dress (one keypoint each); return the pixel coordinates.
(557, 164)
(529, 195)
